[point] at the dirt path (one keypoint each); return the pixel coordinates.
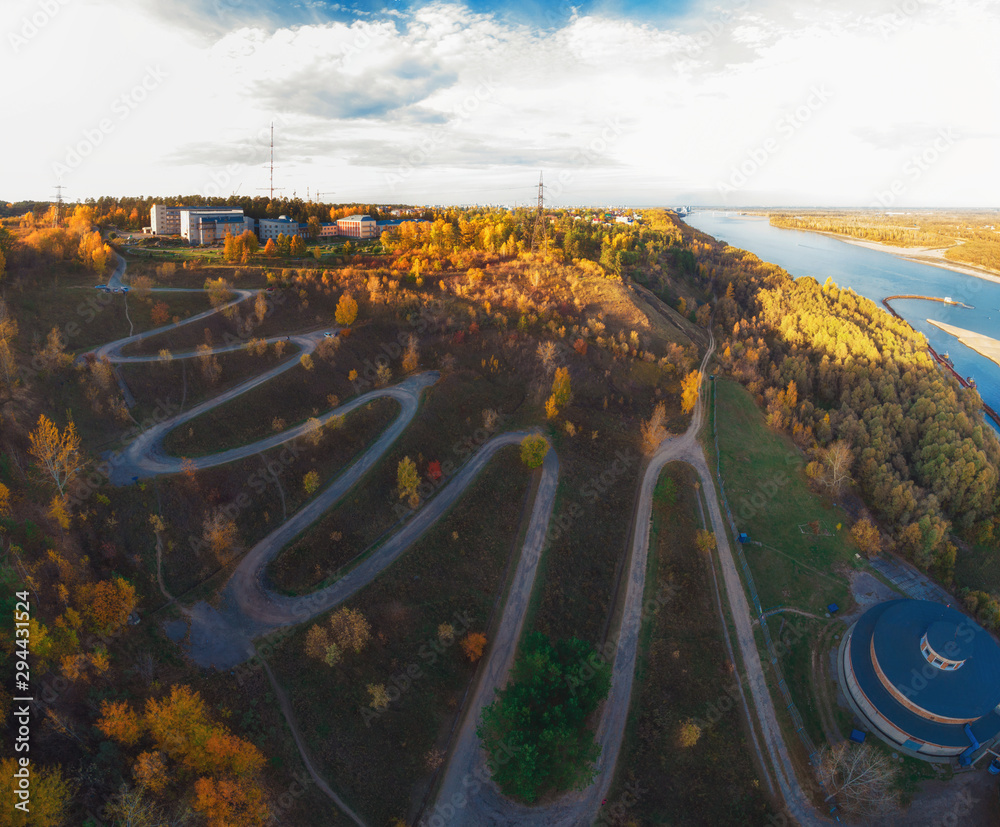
(288, 712)
(220, 638)
(466, 767)
(223, 638)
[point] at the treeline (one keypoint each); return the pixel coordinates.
(865, 227)
(133, 213)
(971, 237)
(458, 239)
(831, 367)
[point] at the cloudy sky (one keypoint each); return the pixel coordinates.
(739, 102)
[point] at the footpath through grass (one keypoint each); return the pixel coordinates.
(669, 772)
(802, 557)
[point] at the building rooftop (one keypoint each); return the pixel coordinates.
(895, 629)
(968, 692)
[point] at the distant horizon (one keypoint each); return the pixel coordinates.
(531, 206)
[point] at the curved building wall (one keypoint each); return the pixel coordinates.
(877, 720)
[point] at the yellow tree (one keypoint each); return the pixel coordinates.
(350, 629)
(108, 603)
(407, 480)
(412, 356)
(689, 391)
(50, 796)
(866, 535)
(218, 291)
(347, 310)
(653, 432)
(58, 453)
(54, 355)
(561, 392)
(260, 306)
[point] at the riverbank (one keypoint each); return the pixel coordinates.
(933, 256)
(983, 345)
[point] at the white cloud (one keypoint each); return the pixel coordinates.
(444, 104)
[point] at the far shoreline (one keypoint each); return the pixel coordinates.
(918, 255)
(933, 256)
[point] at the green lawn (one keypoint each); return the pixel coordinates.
(771, 501)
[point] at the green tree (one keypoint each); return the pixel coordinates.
(534, 447)
(535, 732)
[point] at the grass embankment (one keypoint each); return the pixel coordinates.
(383, 763)
(793, 567)
(292, 396)
(85, 317)
(683, 675)
(770, 498)
(162, 385)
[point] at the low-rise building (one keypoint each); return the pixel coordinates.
(924, 678)
(167, 220)
(207, 227)
(273, 227)
(357, 226)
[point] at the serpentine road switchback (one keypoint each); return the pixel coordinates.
(222, 636)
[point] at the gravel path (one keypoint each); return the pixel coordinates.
(222, 638)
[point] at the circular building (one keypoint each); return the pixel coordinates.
(924, 676)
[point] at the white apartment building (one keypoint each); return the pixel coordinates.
(273, 227)
(207, 227)
(167, 220)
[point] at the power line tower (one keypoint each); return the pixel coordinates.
(538, 234)
(271, 188)
(59, 205)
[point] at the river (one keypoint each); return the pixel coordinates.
(875, 275)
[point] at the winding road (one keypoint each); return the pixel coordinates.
(223, 637)
(467, 768)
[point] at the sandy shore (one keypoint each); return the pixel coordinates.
(983, 345)
(934, 256)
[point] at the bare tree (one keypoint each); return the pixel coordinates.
(861, 778)
(547, 354)
(837, 460)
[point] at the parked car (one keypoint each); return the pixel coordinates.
(330, 333)
(124, 289)
(100, 287)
